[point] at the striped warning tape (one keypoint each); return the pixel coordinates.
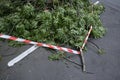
(38, 44)
(87, 36)
(43, 44)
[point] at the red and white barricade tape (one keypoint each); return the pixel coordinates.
(38, 44)
(87, 36)
(43, 44)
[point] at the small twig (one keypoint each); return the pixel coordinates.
(72, 61)
(82, 60)
(68, 58)
(83, 63)
(11, 30)
(100, 50)
(94, 44)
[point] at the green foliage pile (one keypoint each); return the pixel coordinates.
(51, 21)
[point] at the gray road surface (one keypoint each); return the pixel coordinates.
(36, 66)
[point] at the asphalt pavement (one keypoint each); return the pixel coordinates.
(36, 66)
